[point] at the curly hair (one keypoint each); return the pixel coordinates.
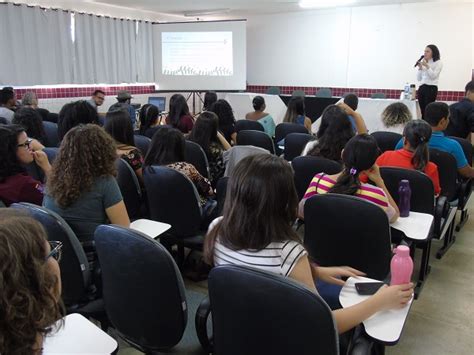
(32, 121)
(87, 152)
(224, 112)
(396, 114)
(28, 305)
(9, 164)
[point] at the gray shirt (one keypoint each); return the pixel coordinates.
(6, 113)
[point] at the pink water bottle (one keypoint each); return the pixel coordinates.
(401, 266)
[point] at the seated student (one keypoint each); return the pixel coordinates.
(226, 125)
(74, 114)
(256, 232)
(395, 117)
(167, 148)
(118, 125)
(29, 99)
(461, 120)
(358, 156)
(295, 113)
(262, 117)
(179, 116)
(30, 281)
(124, 100)
(31, 120)
(333, 134)
(82, 187)
(437, 115)
(212, 142)
(7, 103)
(17, 151)
(415, 153)
(210, 97)
(352, 101)
(149, 120)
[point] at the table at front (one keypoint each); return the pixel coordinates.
(314, 106)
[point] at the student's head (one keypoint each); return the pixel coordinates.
(432, 52)
(470, 90)
(124, 97)
(437, 115)
(416, 135)
(167, 147)
(258, 103)
(29, 99)
(205, 130)
(74, 114)
(119, 126)
(148, 117)
(224, 112)
(30, 282)
(98, 96)
(260, 207)
(14, 149)
(352, 101)
(178, 108)
(359, 154)
(7, 98)
(333, 134)
(295, 108)
(31, 120)
(396, 114)
(209, 99)
(86, 153)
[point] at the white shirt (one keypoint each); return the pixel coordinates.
(430, 76)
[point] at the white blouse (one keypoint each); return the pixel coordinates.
(430, 75)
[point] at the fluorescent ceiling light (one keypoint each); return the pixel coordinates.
(206, 12)
(308, 4)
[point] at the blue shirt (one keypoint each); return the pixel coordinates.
(445, 144)
(353, 123)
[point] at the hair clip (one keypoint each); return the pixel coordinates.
(353, 171)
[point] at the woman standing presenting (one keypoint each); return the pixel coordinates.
(429, 68)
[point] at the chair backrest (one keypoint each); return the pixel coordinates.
(255, 312)
(324, 92)
(52, 117)
(422, 189)
(346, 230)
(75, 272)
(378, 95)
(255, 138)
(194, 154)
(295, 143)
(285, 128)
(466, 147)
(51, 131)
(242, 125)
(307, 167)
(173, 199)
(273, 90)
(386, 140)
(130, 188)
(448, 172)
(51, 153)
(142, 288)
(221, 191)
(298, 93)
(142, 143)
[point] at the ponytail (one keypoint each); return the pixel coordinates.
(421, 156)
(347, 183)
(418, 133)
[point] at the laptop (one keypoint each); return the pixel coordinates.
(158, 101)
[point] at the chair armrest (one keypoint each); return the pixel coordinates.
(202, 315)
(441, 210)
(465, 189)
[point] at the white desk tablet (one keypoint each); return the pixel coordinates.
(153, 229)
(416, 226)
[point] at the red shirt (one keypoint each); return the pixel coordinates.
(21, 188)
(402, 159)
(185, 123)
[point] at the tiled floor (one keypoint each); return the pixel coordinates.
(441, 321)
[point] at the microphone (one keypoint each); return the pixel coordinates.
(419, 60)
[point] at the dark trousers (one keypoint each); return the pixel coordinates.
(426, 95)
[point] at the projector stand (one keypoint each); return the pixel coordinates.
(194, 94)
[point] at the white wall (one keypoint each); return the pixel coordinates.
(361, 47)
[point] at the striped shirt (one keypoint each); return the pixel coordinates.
(277, 257)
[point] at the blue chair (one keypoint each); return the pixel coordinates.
(324, 92)
(194, 154)
(51, 131)
(273, 90)
(51, 153)
(378, 95)
(245, 125)
(255, 138)
(386, 140)
(142, 143)
(131, 191)
(295, 143)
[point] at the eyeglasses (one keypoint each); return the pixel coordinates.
(26, 144)
(56, 250)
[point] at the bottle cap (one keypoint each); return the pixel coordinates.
(402, 250)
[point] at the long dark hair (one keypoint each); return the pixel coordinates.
(31, 120)
(9, 164)
(209, 99)
(359, 154)
(119, 126)
(260, 206)
(295, 108)
(435, 52)
(74, 114)
(178, 108)
(418, 133)
(148, 116)
(224, 112)
(167, 147)
(333, 134)
(204, 130)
